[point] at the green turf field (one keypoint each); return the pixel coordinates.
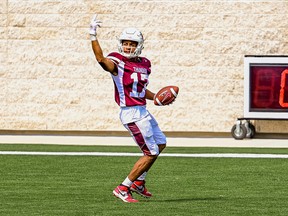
(82, 185)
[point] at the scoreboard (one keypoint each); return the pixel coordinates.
(266, 87)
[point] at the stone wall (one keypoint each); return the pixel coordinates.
(50, 80)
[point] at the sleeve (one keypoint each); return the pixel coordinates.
(148, 65)
(114, 57)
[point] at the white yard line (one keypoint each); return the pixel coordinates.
(217, 155)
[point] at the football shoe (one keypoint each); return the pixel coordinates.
(139, 188)
(122, 192)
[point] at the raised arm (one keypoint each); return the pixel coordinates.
(105, 63)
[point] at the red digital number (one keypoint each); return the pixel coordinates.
(264, 88)
(283, 88)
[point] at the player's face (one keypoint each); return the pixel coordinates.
(129, 46)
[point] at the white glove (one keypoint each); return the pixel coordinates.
(93, 25)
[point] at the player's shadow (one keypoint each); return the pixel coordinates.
(192, 199)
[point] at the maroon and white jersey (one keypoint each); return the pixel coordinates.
(132, 79)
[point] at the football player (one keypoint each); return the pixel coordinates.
(130, 74)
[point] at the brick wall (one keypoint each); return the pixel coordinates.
(50, 80)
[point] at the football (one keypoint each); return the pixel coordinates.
(166, 95)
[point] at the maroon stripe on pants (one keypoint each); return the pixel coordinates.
(139, 138)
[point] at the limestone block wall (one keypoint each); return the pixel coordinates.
(49, 79)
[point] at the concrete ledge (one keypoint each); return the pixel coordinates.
(110, 133)
(128, 141)
(183, 134)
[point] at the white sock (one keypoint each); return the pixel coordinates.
(127, 182)
(142, 177)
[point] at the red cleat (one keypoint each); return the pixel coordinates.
(122, 192)
(139, 188)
